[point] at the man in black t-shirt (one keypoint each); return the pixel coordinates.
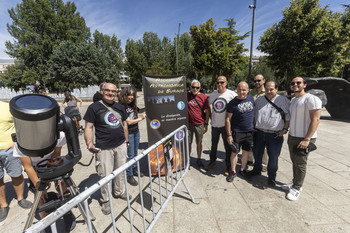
(111, 133)
(239, 128)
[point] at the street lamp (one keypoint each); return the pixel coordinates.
(251, 42)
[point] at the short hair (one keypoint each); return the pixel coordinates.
(304, 80)
(261, 75)
(42, 91)
(276, 85)
(195, 81)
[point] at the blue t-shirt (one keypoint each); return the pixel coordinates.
(242, 114)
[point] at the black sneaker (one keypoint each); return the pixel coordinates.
(271, 182)
(200, 163)
(244, 174)
(135, 173)
(250, 163)
(131, 180)
(69, 221)
(252, 173)
(3, 213)
(231, 176)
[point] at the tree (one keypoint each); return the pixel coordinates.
(346, 40)
(306, 42)
(75, 66)
(136, 64)
(216, 51)
(110, 46)
(38, 27)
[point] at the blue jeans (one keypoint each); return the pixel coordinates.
(273, 144)
(134, 141)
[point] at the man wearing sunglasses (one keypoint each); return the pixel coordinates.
(111, 131)
(198, 117)
(305, 111)
(218, 100)
(259, 90)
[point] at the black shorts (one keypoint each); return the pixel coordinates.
(244, 139)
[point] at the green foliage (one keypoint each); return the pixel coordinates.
(76, 66)
(136, 64)
(38, 27)
(216, 51)
(306, 42)
(110, 46)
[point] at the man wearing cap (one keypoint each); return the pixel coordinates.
(11, 164)
(218, 101)
(271, 114)
(305, 111)
(198, 117)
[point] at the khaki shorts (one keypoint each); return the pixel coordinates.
(197, 130)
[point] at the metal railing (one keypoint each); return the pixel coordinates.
(167, 185)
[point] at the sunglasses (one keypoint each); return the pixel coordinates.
(257, 81)
(107, 90)
(195, 87)
(220, 82)
(298, 83)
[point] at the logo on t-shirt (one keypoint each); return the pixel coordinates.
(111, 120)
(245, 107)
(219, 105)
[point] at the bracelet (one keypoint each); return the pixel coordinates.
(205, 123)
(229, 135)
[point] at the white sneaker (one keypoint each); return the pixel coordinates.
(286, 187)
(293, 194)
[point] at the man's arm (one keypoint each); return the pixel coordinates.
(315, 116)
(206, 121)
(88, 134)
(228, 128)
(56, 152)
(29, 169)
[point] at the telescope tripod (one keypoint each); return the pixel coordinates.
(55, 203)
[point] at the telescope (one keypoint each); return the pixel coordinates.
(38, 124)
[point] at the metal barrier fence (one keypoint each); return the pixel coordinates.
(159, 186)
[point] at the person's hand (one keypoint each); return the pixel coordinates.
(143, 116)
(9, 147)
(304, 143)
(229, 139)
(205, 128)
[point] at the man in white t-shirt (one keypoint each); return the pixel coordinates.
(218, 101)
(305, 112)
(29, 164)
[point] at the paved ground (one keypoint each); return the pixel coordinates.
(241, 206)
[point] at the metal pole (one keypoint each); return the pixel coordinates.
(251, 43)
(177, 53)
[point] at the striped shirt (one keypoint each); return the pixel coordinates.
(267, 116)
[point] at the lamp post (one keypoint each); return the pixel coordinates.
(177, 53)
(252, 39)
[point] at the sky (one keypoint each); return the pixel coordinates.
(129, 19)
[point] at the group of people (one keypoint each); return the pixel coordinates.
(255, 121)
(249, 120)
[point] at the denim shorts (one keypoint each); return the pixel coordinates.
(13, 166)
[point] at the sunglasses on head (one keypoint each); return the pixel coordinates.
(220, 82)
(298, 83)
(195, 87)
(258, 80)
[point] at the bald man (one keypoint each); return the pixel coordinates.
(239, 128)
